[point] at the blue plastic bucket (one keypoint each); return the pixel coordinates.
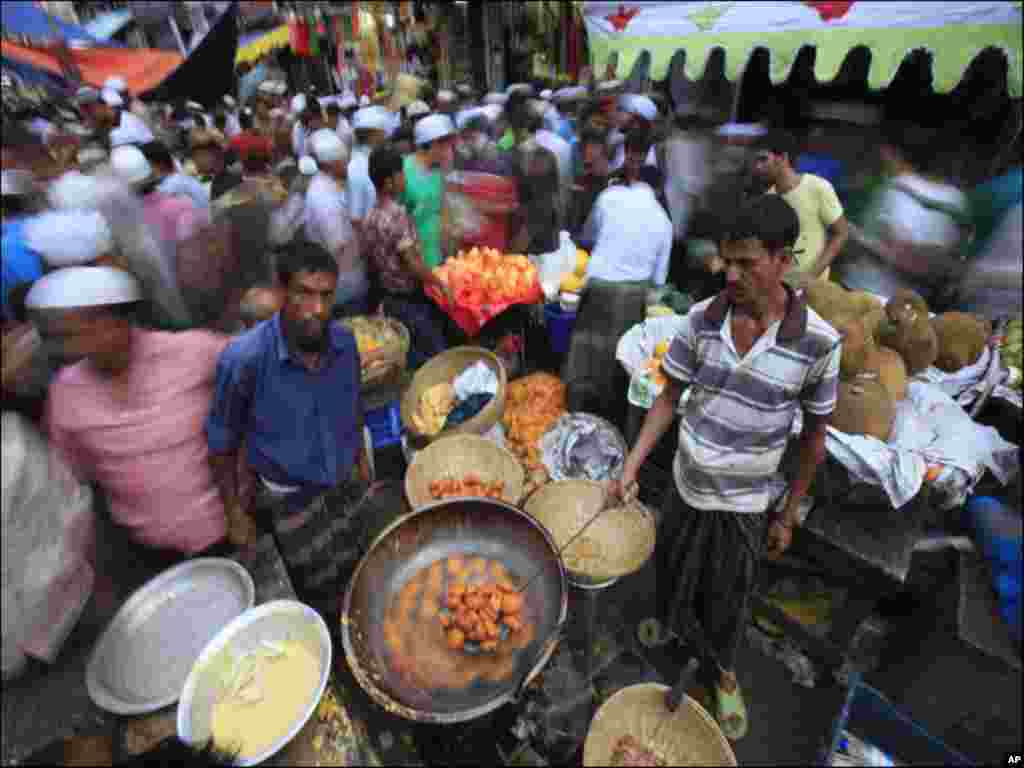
(560, 324)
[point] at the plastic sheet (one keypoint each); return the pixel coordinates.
(582, 447)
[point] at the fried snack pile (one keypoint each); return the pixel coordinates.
(532, 404)
(487, 276)
(478, 618)
(470, 485)
(433, 409)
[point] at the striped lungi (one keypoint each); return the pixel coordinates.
(595, 381)
(707, 564)
(321, 537)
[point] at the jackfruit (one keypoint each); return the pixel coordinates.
(864, 407)
(857, 346)
(906, 330)
(962, 338)
(571, 283)
(907, 296)
(891, 371)
(872, 320)
(865, 302)
(831, 301)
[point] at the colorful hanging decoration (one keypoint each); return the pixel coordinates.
(299, 33)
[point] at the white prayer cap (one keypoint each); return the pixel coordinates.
(267, 86)
(327, 146)
(130, 165)
(117, 84)
(298, 103)
(431, 128)
(372, 117)
(195, 106)
(230, 101)
(492, 111)
(574, 93)
(15, 182)
(87, 95)
(546, 94)
(417, 108)
(74, 190)
(69, 238)
(496, 98)
(364, 100)
(446, 96)
(524, 87)
(464, 89)
(348, 100)
(609, 85)
(74, 287)
(308, 166)
(641, 106)
(111, 98)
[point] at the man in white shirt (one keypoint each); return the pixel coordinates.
(328, 221)
(559, 147)
(631, 232)
(371, 131)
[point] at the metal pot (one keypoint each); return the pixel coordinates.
(469, 528)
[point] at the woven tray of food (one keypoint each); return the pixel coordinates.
(383, 349)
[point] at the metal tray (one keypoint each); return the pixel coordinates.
(143, 658)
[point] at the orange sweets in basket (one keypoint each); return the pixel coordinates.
(532, 404)
(470, 485)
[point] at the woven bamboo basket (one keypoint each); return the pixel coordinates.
(460, 455)
(688, 736)
(445, 367)
(389, 361)
(616, 544)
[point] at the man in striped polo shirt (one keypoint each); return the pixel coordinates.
(752, 356)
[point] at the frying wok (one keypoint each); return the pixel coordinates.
(414, 545)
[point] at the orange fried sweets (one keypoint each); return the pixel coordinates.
(478, 618)
(532, 405)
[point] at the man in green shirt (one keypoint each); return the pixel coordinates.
(424, 182)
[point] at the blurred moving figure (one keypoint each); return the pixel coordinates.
(913, 235)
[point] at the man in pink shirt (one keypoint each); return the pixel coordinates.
(130, 414)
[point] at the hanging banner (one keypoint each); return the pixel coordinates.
(952, 32)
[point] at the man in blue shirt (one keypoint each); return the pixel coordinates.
(289, 388)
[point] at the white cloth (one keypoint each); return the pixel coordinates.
(929, 428)
(186, 186)
(907, 220)
(642, 106)
(69, 238)
(432, 128)
(632, 236)
(362, 195)
(374, 118)
(327, 147)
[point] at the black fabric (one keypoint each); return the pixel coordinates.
(595, 381)
(707, 564)
(582, 202)
(209, 71)
(424, 320)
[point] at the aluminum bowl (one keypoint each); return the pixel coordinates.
(276, 621)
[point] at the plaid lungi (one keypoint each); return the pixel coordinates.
(321, 538)
(707, 564)
(595, 381)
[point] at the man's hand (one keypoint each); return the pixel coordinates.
(780, 536)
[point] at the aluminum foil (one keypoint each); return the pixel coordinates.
(583, 447)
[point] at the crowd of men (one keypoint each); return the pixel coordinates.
(171, 274)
